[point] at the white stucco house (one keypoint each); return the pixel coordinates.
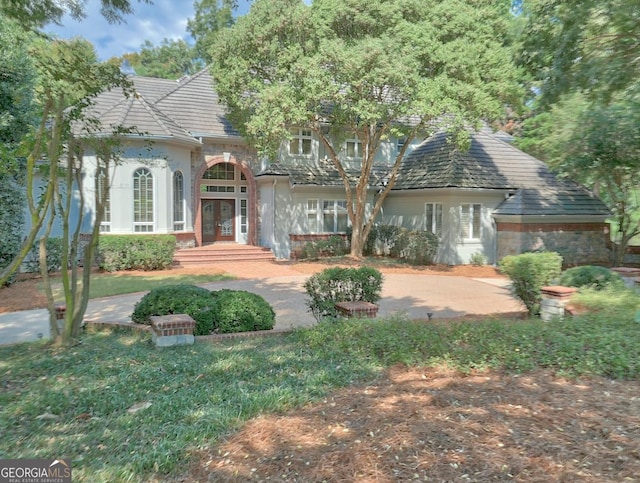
(193, 175)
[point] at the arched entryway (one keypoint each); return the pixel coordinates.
(225, 201)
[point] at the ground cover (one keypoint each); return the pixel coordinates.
(385, 400)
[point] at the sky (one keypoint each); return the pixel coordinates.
(163, 19)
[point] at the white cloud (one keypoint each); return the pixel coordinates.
(163, 19)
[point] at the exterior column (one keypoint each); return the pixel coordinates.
(554, 301)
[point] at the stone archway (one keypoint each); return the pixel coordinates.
(252, 215)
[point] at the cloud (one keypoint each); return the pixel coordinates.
(163, 19)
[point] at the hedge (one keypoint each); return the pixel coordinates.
(135, 252)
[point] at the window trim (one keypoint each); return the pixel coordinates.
(437, 220)
(475, 209)
(139, 225)
(299, 136)
(335, 214)
(179, 204)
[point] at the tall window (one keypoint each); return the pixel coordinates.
(142, 200)
(104, 195)
(334, 216)
(244, 219)
(471, 221)
(178, 201)
(300, 143)
(433, 213)
(312, 216)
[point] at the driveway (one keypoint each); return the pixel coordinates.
(410, 295)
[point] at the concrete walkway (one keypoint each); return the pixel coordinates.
(413, 296)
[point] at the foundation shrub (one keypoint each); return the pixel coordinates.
(339, 284)
(334, 246)
(178, 299)
(135, 252)
(54, 256)
(529, 272)
(412, 246)
(241, 311)
(591, 276)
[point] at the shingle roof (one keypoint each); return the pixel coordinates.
(194, 104)
(493, 164)
(324, 173)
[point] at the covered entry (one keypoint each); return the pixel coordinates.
(218, 220)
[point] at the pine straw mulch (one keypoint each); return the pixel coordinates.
(438, 425)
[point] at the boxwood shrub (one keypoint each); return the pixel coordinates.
(223, 311)
(195, 301)
(338, 284)
(241, 311)
(135, 252)
(591, 276)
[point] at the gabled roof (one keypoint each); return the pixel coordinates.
(493, 164)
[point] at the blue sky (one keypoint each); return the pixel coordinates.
(163, 19)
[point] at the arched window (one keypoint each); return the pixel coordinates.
(178, 201)
(142, 200)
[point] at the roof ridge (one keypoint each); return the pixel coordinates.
(180, 85)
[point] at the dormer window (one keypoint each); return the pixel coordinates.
(354, 148)
(300, 144)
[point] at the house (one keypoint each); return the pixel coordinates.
(194, 176)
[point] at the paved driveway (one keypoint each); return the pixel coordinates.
(411, 295)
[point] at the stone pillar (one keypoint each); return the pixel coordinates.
(628, 274)
(357, 309)
(554, 300)
(170, 330)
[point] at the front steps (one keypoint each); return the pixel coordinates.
(220, 252)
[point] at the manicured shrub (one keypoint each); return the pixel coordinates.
(591, 276)
(529, 272)
(478, 259)
(178, 299)
(334, 246)
(412, 246)
(241, 311)
(135, 252)
(338, 284)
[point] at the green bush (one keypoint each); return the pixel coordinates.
(178, 299)
(591, 276)
(338, 284)
(135, 252)
(418, 247)
(529, 272)
(54, 256)
(478, 259)
(334, 246)
(241, 311)
(12, 204)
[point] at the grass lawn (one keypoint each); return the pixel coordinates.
(106, 284)
(122, 410)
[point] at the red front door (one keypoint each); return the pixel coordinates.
(218, 220)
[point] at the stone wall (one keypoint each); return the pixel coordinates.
(577, 243)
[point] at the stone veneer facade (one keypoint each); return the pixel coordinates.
(577, 243)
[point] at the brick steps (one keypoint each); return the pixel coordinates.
(224, 252)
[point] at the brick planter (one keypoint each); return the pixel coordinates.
(631, 276)
(554, 301)
(357, 309)
(170, 330)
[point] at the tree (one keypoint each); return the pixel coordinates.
(591, 45)
(597, 144)
(69, 79)
(34, 14)
(366, 69)
(171, 59)
(211, 16)
(17, 79)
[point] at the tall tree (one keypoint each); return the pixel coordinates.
(17, 115)
(69, 79)
(591, 45)
(597, 144)
(362, 68)
(35, 14)
(211, 16)
(171, 59)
